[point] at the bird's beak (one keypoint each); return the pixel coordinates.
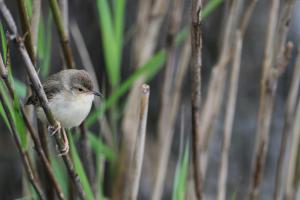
(97, 94)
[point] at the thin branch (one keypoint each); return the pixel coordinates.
(37, 86)
(268, 89)
(247, 15)
(37, 144)
(212, 103)
(24, 156)
(291, 102)
(26, 30)
(230, 110)
(289, 187)
(64, 38)
(137, 161)
(288, 121)
(196, 43)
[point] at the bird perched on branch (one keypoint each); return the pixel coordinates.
(70, 95)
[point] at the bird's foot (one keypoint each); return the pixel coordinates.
(54, 129)
(65, 147)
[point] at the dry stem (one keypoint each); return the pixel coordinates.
(268, 89)
(64, 38)
(291, 102)
(230, 110)
(136, 163)
(26, 30)
(149, 20)
(289, 187)
(196, 43)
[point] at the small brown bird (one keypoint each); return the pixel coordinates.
(70, 95)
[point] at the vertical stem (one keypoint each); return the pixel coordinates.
(196, 43)
(138, 156)
(268, 88)
(289, 187)
(26, 30)
(230, 110)
(64, 38)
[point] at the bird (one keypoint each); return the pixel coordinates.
(70, 96)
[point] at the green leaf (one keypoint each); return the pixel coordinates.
(119, 26)
(41, 39)
(19, 122)
(111, 55)
(80, 170)
(179, 187)
(14, 111)
(100, 148)
(20, 88)
(148, 69)
(28, 5)
(3, 42)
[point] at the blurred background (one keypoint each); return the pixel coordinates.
(143, 42)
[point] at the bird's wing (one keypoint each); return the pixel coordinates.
(51, 87)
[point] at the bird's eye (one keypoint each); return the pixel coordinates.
(80, 89)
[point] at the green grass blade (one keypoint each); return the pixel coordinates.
(119, 26)
(3, 42)
(60, 174)
(152, 66)
(100, 148)
(179, 187)
(80, 170)
(210, 7)
(41, 39)
(28, 5)
(3, 116)
(111, 55)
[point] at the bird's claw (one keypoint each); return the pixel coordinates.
(65, 147)
(54, 129)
